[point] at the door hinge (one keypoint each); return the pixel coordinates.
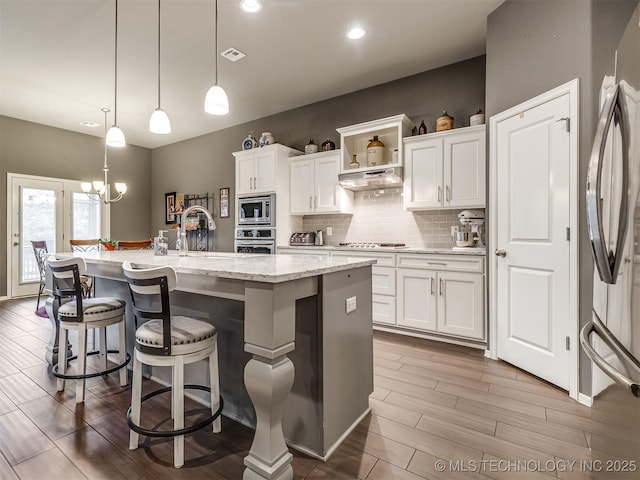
(568, 343)
(567, 124)
(568, 234)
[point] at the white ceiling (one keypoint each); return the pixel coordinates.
(57, 57)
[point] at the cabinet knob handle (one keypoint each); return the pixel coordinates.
(501, 253)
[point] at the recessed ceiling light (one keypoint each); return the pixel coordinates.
(356, 33)
(89, 124)
(251, 6)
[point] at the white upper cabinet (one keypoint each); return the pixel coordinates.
(445, 169)
(390, 131)
(314, 185)
(262, 170)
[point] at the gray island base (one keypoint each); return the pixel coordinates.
(293, 364)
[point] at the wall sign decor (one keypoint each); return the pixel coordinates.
(224, 202)
(170, 207)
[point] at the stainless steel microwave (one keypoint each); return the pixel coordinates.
(257, 210)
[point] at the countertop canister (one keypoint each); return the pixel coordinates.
(444, 122)
(477, 118)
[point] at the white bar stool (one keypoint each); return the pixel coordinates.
(174, 341)
(81, 314)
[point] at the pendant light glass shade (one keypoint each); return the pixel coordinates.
(159, 122)
(216, 101)
(115, 137)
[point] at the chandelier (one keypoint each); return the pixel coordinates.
(100, 187)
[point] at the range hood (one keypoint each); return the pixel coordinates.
(372, 179)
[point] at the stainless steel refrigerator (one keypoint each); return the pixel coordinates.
(612, 338)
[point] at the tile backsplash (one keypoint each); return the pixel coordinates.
(379, 216)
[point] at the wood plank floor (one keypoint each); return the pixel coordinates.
(432, 402)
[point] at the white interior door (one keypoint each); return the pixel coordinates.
(533, 216)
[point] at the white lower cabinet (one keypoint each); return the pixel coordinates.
(426, 294)
(444, 302)
(442, 294)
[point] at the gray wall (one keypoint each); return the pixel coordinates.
(536, 45)
(206, 163)
(34, 149)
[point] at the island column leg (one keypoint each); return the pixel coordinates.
(269, 334)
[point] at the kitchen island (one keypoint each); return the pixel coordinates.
(265, 306)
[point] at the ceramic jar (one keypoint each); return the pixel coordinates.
(375, 152)
(445, 122)
(477, 119)
(327, 145)
(266, 139)
(311, 147)
(249, 142)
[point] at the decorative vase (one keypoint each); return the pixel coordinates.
(266, 139)
(249, 142)
(375, 152)
(445, 122)
(327, 145)
(311, 147)
(354, 162)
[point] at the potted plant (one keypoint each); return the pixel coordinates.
(108, 244)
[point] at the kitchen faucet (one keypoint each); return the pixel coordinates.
(181, 242)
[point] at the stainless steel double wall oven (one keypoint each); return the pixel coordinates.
(256, 224)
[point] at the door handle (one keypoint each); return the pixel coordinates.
(310, 203)
(448, 194)
(441, 288)
(432, 292)
(439, 192)
(16, 244)
(596, 326)
(608, 262)
(501, 253)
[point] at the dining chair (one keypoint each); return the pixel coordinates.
(40, 251)
(164, 340)
(134, 244)
(88, 245)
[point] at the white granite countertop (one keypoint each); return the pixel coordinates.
(438, 251)
(241, 266)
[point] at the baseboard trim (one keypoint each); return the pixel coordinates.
(585, 399)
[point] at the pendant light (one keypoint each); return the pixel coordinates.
(100, 186)
(115, 137)
(159, 121)
(216, 101)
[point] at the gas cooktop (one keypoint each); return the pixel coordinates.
(372, 245)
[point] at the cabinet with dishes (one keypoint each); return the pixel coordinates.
(314, 187)
(445, 169)
(375, 144)
(261, 170)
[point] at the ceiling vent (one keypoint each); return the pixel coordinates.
(89, 124)
(233, 54)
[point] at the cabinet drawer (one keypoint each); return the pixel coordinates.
(460, 263)
(384, 259)
(384, 309)
(383, 280)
